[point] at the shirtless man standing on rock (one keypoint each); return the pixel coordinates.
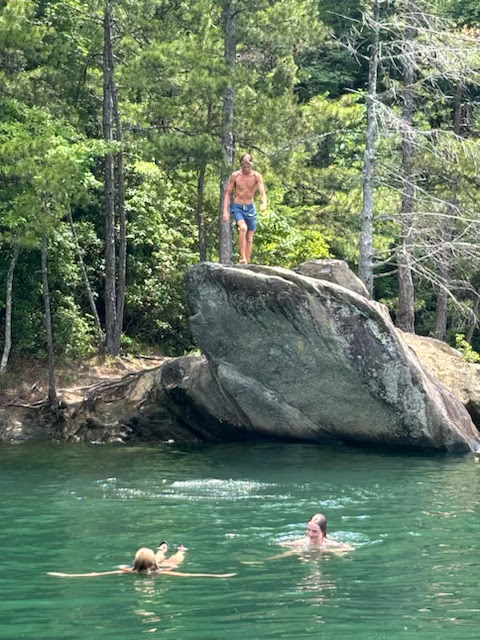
(245, 181)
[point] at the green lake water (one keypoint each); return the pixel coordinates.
(413, 519)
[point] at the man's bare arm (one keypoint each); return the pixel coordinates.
(227, 198)
(263, 193)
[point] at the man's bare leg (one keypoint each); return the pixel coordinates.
(242, 240)
(249, 245)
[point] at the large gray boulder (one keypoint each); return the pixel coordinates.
(285, 355)
(447, 365)
(336, 271)
(296, 357)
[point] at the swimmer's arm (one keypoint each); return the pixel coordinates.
(293, 552)
(285, 554)
(340, 547)
(168, 572)
(298, 549)
(92, 574)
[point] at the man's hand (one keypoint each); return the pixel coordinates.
(225, 216)
(263, 206)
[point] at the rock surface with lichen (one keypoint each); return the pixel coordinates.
(297, 357)
(285, 355)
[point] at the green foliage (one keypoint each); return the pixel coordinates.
(464, 12)
(162, 246)
(329, 67)
(280, 242)
(466, 349)
(46, 167)
(299, 105)
(74, 331)
(130, 345)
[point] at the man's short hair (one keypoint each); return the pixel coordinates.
(248, 153)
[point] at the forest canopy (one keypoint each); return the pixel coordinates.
(120, 121)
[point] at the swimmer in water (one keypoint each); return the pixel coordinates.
(316, 538)
(145, 562)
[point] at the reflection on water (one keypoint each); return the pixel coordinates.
(317, 588)
(414, 521)
(148, 590)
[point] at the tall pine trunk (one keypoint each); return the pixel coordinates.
(52, 389)
(122, 218)
(473, 320)
(440, 325)
(228, 145)
(8, 311)
(446, 232)
(405, 318)
(86, 282)
(202, 240)
(109, 186)
(365, 264)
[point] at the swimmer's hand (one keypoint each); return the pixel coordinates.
(182, 547)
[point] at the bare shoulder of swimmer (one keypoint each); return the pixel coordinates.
(339, 546)
(300, 542)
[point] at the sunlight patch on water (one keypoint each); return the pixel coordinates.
(223, 489)
(188, 490)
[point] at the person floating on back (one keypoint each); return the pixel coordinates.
(245, 181)
(145, 562)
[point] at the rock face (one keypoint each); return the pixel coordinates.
(336, 271)
(285, 355)
(451, 369)
(296, 357)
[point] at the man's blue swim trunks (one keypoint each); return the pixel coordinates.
(245, 212)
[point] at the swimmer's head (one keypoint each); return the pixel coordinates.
(144, 560)
(321, 521)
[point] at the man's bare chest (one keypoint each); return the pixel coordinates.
(243, 182)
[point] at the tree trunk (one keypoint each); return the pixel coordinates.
(88, 288)
(446, 232)
(202, 240)
(440, 326)
(473, 322)
(110, 287)
(122, 218)
(365, 263)
(8, 311)
(52, 391)
(228, 145)
(405, 318)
